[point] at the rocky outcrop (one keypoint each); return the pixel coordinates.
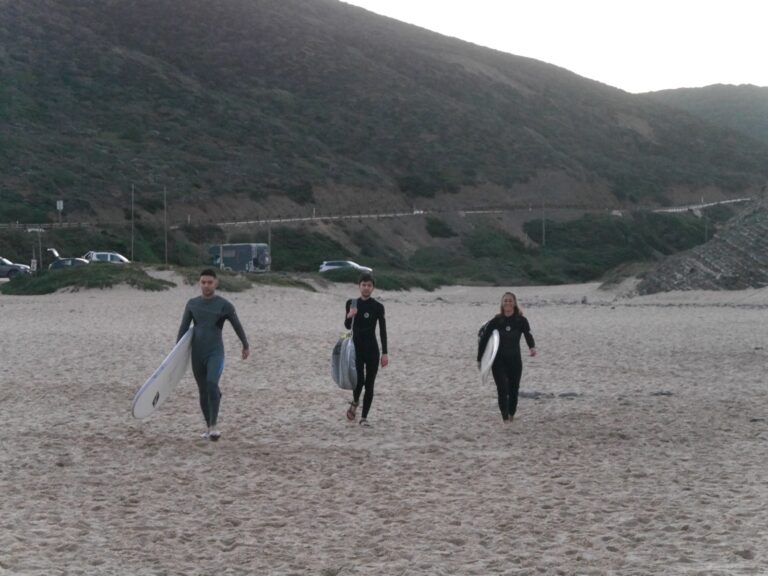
(736, 258)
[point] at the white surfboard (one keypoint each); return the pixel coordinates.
(343, 368)
(489, 355)
(159, 386)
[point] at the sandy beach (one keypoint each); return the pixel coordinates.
(640, 446)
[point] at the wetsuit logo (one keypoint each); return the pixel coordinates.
(509, 328)
(366, 315)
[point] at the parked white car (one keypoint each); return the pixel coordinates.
(111, 257)
(340, 264)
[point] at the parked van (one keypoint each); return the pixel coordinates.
(241, 257)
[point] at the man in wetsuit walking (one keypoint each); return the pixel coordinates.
(208, 312)
(362, 316)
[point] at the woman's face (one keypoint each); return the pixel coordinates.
(508, 304)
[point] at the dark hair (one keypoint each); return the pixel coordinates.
(208, 272)
(366, 277)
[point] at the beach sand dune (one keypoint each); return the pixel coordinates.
(640, 445)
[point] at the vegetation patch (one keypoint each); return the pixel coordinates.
(300, 192)
(583, 250)
(376, 250)
(303, 250)
(426, 185)
(18, 210)
(205, 234)
(390, 280)
(408, 280)
(438, 228)
(91, 276)
(228, 281)
(343, 275)
(487, 242)
(282, 280)
(234, 282)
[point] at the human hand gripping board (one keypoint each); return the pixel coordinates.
(161, 383)
(489, 355)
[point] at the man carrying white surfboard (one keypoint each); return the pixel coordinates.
(209, 312)
(507, 366)
(362, 315)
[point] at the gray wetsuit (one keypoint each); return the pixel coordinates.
(208, 315)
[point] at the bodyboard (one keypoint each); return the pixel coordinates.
(349, 364)
(343, 368)
(161, 383)
(336, 361)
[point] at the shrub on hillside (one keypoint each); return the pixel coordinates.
(438, 228)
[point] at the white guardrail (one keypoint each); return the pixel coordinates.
(372, 215)
(700, 206)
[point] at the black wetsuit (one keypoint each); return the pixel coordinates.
(369, 312)
(209, 315)
(508, 365)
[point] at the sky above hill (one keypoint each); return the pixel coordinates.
(635, 46)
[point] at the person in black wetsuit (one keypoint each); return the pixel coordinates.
(362, 315)
(208, 312)
(508, 364)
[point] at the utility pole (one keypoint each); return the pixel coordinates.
(165, 222)
(132, 194)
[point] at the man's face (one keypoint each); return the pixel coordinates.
(366, 289)
(208, 285)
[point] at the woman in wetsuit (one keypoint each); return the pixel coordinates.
(508, 365)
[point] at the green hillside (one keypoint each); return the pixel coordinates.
(241, 108)
(743, 108)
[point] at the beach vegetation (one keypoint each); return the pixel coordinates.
(91, 276)
(238, 282)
